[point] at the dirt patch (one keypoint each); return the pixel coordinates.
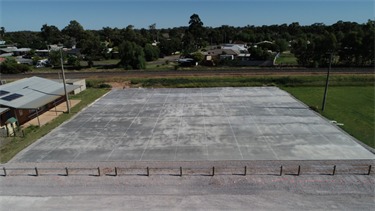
(120, 85)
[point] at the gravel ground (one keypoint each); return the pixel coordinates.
(165, 192)
(192, 73)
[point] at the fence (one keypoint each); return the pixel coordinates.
(189, 171)
(15, 133)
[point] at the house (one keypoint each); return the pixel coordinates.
(73, 52)
(238, 46)
(13, 51)
(217, 53)
(45, 53)
(25, 61)
(239, 42)
(27, 98)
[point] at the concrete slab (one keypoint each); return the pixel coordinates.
(245, 123)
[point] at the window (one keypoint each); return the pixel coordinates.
(8, 114)
(21, 112)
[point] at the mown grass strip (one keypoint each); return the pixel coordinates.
(352, 106)
(17, 144)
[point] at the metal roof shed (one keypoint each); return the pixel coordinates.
(35, 91)
(32, 93)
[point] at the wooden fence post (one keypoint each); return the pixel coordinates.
(369, 170)
(281, 170)
(334, 170)
(213, 170)
(299, 170)
(36, 171)
(5, 171)
(180, 171)
(99, 171)
(245, 170)
(116, 171)
(67, 171)
(148, 171)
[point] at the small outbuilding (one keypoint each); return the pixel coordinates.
(27, 98)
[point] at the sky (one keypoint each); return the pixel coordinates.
(31, 15)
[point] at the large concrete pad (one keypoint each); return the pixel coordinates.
(257, 123)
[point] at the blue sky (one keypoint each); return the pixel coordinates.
(18, 15)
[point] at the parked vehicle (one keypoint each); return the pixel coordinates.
(42, 63)
(185, 60)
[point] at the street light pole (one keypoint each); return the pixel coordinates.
(329, 69)
(63, 75)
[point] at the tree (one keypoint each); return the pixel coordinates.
(152, 28)
(282, 44)
(132, 56)
(198, 57)
(215, 36)
(92, 48)
(260, 54)
(350, 45)
(10, 66)
(2, 32)
(55, 57)
(51, 34)
(151, 53)
(196, 28)
(168, 47)
(74, 29)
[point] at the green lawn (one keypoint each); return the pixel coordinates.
(9, 150)
(287, 58)
(352, 106)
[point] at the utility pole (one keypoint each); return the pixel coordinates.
(329, 69)
(63, 75)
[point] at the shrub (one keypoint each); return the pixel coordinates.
(105, 86)
(36, 59)
(15, 68)
(90, 63)
(167, 61)
(74, 61)
(89, 84)
(198, 57)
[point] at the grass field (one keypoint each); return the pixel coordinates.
(17, 144)
(287, 58)
(352, 106)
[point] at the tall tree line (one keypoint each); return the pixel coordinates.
(354, 42)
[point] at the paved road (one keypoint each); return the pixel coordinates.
(227, 192)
